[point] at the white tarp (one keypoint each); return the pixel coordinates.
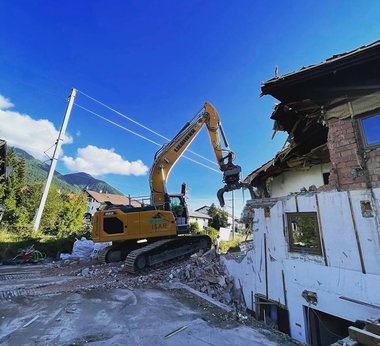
(224, 233)
(85, 249)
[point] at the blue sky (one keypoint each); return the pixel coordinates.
(158, 62)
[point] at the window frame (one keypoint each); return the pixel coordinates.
(297, 249)
(363, 133)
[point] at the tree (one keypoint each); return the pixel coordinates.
(64, 211)
(14, 216)
(194, 228)
(219, 217)
(71, 217)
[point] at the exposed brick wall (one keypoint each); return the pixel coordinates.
(373, 166)
(352, 167)
(343, 147)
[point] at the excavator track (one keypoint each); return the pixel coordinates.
(165, 250)
(112, 254)
(102, 256)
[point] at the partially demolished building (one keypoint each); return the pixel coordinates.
(315, 266)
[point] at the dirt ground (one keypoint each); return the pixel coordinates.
(74, 303)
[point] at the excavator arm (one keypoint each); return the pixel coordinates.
(169, 154)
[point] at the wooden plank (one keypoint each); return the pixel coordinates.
(364, 337)
(266, 267)
(372, 327)
(320, 228)
(284, 288)
(356, 233)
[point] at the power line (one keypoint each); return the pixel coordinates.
(139, 124)
(139, 135)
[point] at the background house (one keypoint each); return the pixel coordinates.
(205, 209)
(200, 218)
(315, 266)
(95, 199)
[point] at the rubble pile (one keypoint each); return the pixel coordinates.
(202, 272)
(209, 275)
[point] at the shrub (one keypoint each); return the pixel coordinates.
(194, 228)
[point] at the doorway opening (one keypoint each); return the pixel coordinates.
(272, 313)
(324, 329)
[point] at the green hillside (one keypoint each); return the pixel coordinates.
(83, 180)
(38, 170)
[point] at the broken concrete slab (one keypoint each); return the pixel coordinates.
(119, 317)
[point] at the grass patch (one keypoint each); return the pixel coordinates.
(233, 244)
(11, 243)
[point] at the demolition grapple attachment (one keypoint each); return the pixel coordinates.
(231, 178)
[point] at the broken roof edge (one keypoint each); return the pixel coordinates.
(343, 59)
(263, 168)
(283, 162)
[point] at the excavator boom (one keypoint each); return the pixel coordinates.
(169, 154)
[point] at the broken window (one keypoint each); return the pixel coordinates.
(326, 178)
(370, 128)
(303, 233)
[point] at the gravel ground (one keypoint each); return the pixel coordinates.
(57, 280)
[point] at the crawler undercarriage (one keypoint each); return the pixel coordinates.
(155, 252)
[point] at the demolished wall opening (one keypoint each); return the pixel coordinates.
(326, 178)
(324, 329)
(272, 313)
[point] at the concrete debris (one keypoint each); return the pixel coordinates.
(221, 301)
(204, 273)
(85, 272)
(209, 276)
(246, 246)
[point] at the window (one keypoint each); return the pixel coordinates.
(370, 128)
(303, 233)
(176, 206)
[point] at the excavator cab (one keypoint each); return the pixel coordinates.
(179, 209)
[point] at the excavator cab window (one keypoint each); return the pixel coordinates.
(179, 209)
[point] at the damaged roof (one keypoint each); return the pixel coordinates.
(334, 66)
(344, 85)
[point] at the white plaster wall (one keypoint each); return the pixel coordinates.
(202, 223)
(338, 231)
(341, 277)
(92, 206)
(295, 180)
(368, 231)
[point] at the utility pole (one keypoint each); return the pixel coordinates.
(54, 159)
(233, 214)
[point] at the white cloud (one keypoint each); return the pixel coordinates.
(32, 135)
(98, 161)
(5, 102)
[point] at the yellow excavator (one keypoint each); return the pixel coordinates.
(156, 233)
